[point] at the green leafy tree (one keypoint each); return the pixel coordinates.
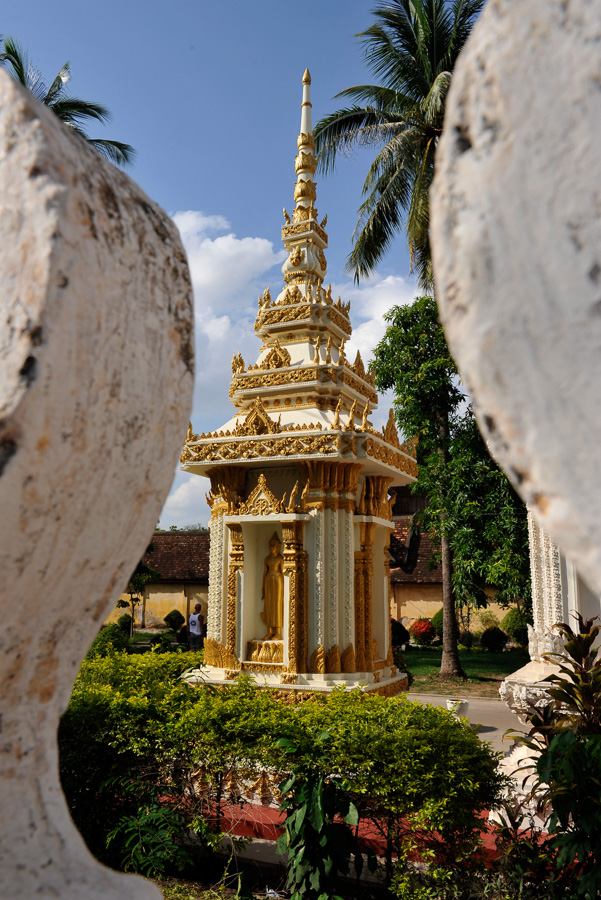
(73, 111)
(475, 516)
(412, 47)
(140, 577)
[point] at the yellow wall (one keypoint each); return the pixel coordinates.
(160, 599)
(412, 601)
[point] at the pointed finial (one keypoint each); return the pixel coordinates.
(306, 127)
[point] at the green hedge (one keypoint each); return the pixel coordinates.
(131, 719)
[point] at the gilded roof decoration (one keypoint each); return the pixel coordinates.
(277, 358)
(258, 421)
(305, 162)
(391, 435)
(302, 363)
(282, 446)
(261, 501)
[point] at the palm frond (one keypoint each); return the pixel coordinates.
(73, 109)
(116, 151)
(16, 58)
(344, 130)
(411, 47)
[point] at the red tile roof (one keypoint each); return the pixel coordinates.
(180, 556)
(411, 555)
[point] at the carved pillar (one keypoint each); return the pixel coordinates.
(363, 599)
(295, 567)
(368, 572)
(236, 566)
(216, 566)
(388, 629)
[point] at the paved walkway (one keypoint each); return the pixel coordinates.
(492, 716)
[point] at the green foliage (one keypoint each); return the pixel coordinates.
(411, 48)
(318, 847)
(422, 631)
(565, 738)
(475, 517)
(494, 640)
(174, 620)
(436, 622)
(151, 840)
(488, 619)
(109, 638)
(404, 766)
(124, 623)
(72, 111)
(515, 624)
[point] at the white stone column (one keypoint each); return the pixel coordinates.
(332, 577)
(318, 625)
(216, 572)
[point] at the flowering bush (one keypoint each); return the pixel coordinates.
(423, 632)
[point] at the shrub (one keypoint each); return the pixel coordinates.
(493, 640)
(466, 638)
(407, 767)
(488, 619)
(515, 624)
(436, 621)
(124, 623)
(400, 635)
(422, 632)
(110, 637)
(174, 620)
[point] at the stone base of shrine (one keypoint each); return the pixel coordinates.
(527, 687)
(295, 688)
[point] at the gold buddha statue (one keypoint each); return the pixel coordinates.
(272, 591)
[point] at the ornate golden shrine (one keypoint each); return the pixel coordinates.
(301, 459)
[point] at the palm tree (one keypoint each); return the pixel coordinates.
(412, 48)
(70, 110)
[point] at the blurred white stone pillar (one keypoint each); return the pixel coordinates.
(96, 375)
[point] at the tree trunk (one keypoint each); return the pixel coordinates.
(450, 666)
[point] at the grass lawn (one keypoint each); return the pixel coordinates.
(485, 671)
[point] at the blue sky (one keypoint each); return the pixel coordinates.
(209, 95)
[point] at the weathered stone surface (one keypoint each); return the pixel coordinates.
(96, 373)
(516, 228)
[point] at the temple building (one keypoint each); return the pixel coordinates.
(300, 513)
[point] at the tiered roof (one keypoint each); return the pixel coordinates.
(302, 398)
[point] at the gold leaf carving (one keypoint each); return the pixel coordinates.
(258, 421)
(347, 660)
(296, 256)
(305, 139)
(391, 435)
(277, 358)
(267, 448)
(217, 655)
(266, 651)
(261, 501)
(305, 190)
(305, 161)
(333, 660)
(317, 663)
(391, 457)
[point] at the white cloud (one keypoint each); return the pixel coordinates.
(186, 504)
(227, 275)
